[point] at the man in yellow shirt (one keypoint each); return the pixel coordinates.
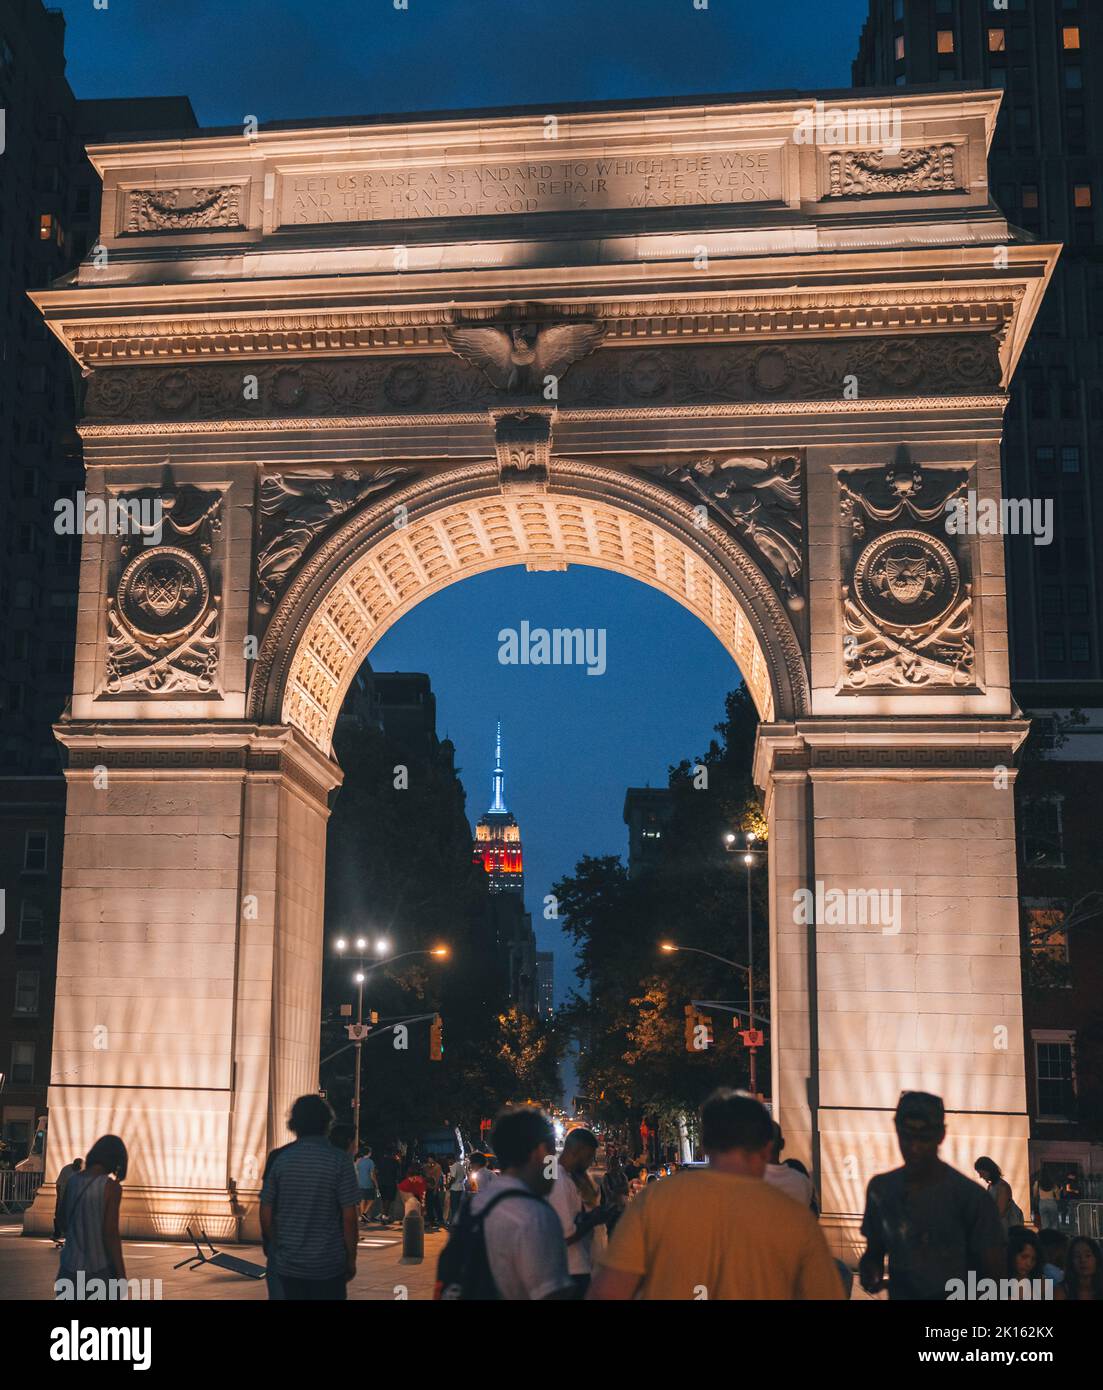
(719, 1232)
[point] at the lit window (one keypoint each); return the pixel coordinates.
(900, 48)
(1070, 36)
(1030, 195)
(46, 226)
(1048, 966)
(997, 41)
(945, 41)
(1082, 195)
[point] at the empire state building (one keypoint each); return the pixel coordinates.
(498, 837)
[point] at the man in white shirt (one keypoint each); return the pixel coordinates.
(565, 1199)
(524, 1245)
(479, 1175)
(791, 1181)
(457, 1186)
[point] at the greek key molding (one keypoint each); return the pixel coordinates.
(917, 758)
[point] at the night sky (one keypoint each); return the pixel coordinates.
(573, 742)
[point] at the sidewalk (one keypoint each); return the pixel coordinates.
(28, 1267)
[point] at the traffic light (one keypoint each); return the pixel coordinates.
(436, 1039)
(698, 1029)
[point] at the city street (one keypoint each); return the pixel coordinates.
(28, 1267)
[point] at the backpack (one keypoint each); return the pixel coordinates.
(463, 1270)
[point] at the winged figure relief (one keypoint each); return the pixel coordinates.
(519, 357)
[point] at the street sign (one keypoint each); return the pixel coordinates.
(358, 1031)
(753, 1037)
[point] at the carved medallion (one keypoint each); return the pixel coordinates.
(906, 579)
(163, 592)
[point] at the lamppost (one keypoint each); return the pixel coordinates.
(670, 948)
(749, 856)
(381, 947)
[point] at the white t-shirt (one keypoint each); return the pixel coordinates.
(566, 1201)
(791, 1181)
(524, 1245)
(457, 1177)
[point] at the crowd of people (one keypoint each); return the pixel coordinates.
(536, 1221)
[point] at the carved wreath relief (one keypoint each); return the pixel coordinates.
(907, 603)
(183, 209)
(859, 173)
(163, 618)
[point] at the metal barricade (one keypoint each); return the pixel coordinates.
(1089, 1219)
(17, 1190)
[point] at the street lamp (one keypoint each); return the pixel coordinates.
(748, 859)
(382, 945)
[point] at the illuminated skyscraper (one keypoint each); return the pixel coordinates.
(498, 836)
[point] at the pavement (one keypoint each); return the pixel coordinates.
(28, 1268)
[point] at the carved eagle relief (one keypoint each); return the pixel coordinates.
(520, 357)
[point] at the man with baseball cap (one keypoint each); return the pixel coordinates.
(933, 1223)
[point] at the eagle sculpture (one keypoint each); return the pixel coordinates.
(519, 357)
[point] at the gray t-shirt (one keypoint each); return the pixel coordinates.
(933, 1233)
(308, 1184)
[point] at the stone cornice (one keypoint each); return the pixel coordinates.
(688, 319)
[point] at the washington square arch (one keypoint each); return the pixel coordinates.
(751, 366)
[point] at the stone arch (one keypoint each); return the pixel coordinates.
(460, 523)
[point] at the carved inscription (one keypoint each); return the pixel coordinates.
(551, 185)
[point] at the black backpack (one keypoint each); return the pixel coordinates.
(463, 1270)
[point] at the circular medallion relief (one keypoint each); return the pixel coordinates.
(163, 592)
(404, 384)
(906, 578)
(648, 375)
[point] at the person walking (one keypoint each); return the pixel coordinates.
(1046, 1201)
(792, 1181)
(525, 1252)
(572, 1195)
(999, 1189)
(933, 1223)
(719, 1232)
(93, 1249)
(308, 1207)
(479, 1174)
(63, 1177)
(365, 1180)
(433, 1174)
(387, 1175)
(457, 1186)
(614, 1190)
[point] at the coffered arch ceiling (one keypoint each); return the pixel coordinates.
(460, 523)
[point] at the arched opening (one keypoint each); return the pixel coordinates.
(454, 524)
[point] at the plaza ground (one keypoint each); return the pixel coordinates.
(28, 1267)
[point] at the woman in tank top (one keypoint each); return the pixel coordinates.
(91, 1217)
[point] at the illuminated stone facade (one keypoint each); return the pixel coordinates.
(673, 342)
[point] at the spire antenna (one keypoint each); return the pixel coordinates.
(498, 801)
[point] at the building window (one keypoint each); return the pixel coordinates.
(1048, 965)
(1070, 458)
(1041, 831)
(945, 41)
(22, 1063)
(26, 992)
(1074, 79)
(1070, 36)
(46, 226)
(30, 923)
(1078, 598)
(1044, 458)
(1053, 1063)
(997, 41)
(1080, 648)
(1030, 195)
(1053, 646)
(34, 852)
(898, 11)
(1051, 600)
(1082, 195)
(899, 46)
